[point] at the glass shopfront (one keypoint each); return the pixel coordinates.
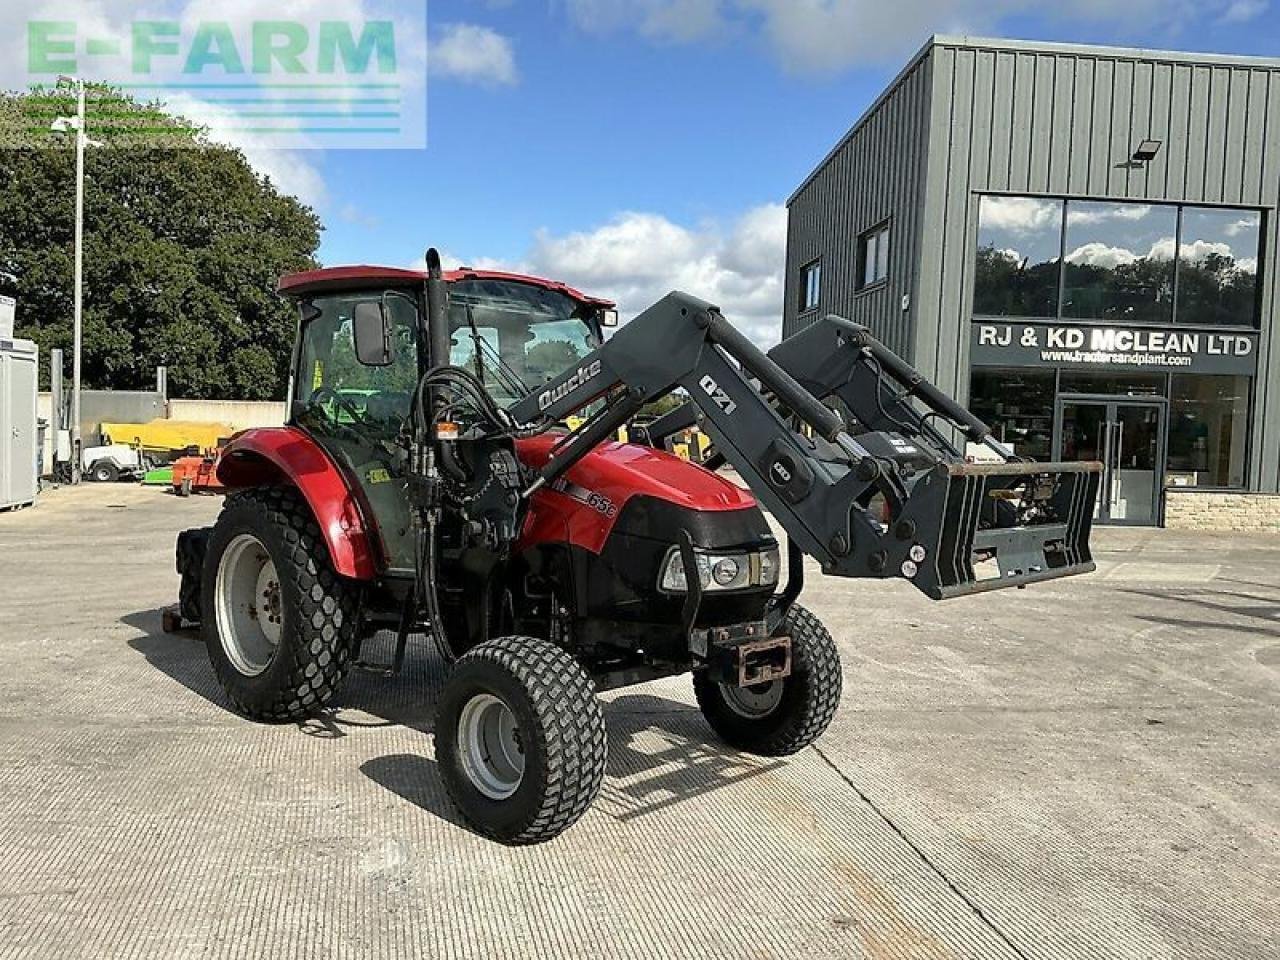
(1149, 430)
(1119, 332)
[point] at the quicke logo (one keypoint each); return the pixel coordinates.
(583, 376)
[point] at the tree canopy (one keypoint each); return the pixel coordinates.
(184, 244)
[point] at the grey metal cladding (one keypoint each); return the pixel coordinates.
(1066, 125)
(971, 116)
(876, 173)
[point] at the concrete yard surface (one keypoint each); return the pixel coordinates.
(1084, 769)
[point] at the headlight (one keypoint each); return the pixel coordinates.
(722, 571)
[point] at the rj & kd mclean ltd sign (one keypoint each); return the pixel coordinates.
(1036, 344)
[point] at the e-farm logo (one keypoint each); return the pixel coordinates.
(292, 83)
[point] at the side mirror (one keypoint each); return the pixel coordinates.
(371, 329)
(608, 318)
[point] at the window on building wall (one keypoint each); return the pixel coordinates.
(873, 256)
(1208, 426)
(1018, 406)
(1122, 263)
(1218, 266)
(810, 285)
(1019, 246)
(1119, 262)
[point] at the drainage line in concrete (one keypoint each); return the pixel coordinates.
(924, 858)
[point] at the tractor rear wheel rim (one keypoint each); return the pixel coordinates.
(249, 608)
(490, 746)
(755, 701)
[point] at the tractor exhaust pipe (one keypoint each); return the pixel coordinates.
(437, 311)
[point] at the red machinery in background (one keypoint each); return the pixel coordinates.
(197, 473)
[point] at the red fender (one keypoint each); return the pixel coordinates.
(272, 455)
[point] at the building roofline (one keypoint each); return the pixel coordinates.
(1031, 46)
(1108, 52)
(889, 89)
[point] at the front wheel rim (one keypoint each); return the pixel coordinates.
(754, 702)
(248, 605)
(490, 746)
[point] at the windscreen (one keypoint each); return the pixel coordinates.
(516, 336)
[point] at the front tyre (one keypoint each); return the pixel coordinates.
(520, 739)
(784, 716)
(279, 623)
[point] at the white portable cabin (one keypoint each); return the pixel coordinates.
(18, 366)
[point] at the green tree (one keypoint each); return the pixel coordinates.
(184, 244)
(550, 358)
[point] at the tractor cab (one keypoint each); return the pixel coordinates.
(512, 332)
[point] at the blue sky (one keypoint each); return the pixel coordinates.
(632, 146)
(624, 123)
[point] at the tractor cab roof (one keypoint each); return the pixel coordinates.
(340, 278)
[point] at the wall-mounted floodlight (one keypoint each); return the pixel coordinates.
(1146, 151)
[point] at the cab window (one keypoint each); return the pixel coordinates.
(333, 389)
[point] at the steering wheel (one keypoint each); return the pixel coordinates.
(324, 394)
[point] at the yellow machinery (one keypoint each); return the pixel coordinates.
(691, 444)
(162, 436)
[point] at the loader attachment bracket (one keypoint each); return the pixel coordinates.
(989, 526)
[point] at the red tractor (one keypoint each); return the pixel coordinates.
(425, 483)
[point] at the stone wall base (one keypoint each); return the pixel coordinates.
(1204, 510)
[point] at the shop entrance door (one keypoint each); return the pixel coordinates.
(1127, 434)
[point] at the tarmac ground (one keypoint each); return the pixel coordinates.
(1084, 769)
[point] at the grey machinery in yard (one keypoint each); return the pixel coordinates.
(18, 434)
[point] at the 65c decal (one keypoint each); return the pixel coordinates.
(596, 501)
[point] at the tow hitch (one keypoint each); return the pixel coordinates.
(744, 654)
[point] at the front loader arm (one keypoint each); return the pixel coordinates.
(884, 503)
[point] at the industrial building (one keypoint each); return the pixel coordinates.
(1080, 243)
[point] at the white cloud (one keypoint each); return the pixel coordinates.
(1238, 227)
(826, 36)
(1020, 214)
(1101, 255)
(350, 213)
(681, 21)
(1098, 254)
(288, 169)
(473, 54)
(1162, 249)
(1077, 214)
(637, 258)
(1200, 250)
(1241, 11)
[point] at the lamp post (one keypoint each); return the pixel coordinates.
(62, 125)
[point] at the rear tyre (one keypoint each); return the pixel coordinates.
(104, 472)
(520, 739)
(782, 717)
(279, 623)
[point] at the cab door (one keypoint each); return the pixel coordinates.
(356, 412)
